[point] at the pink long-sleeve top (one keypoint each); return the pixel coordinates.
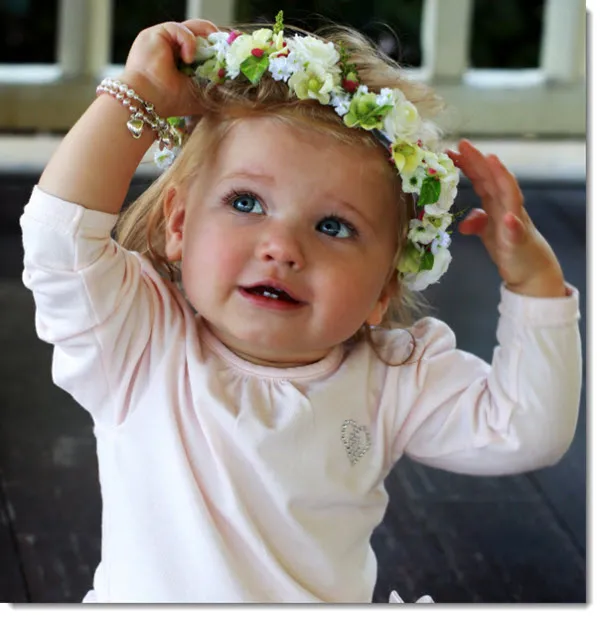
(223, 481)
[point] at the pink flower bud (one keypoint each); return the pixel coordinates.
(349, 85)
(258, 53)
(221, 73)
(232, 36)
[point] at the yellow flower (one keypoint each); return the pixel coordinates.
(316, 84)
(407, 157)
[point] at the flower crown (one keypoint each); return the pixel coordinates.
(321, 71)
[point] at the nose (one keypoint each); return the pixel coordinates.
(281, 244)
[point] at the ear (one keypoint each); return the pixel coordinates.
(174, 212)
(381, 306)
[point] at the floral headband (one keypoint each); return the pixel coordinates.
(321, 71)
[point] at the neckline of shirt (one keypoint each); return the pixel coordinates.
(322, 368)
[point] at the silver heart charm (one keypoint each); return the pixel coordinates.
(356, 440)
(135, 126)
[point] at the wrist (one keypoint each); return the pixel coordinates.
(143, 113)
(146, 89)
(550, 285)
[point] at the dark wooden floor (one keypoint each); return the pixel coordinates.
(458, 539)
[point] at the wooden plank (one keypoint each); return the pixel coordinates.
(13, 586)
(499, 549)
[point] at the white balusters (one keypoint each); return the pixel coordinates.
(563, 41)
(446, 38)
(221, 12)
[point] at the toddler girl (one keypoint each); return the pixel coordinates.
(243, 345)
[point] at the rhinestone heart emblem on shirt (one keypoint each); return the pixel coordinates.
(356, 440)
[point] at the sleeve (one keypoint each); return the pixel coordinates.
(518, 414)
(96, 303)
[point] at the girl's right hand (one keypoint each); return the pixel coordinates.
(151, 67)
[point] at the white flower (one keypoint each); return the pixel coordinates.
(314, 52)
(341, 103)
(449, 178)
(164, 158)
(262, 37)
(429, 228)
(385, 97)
(242, 48)
(422, 232)
(314, 83)
(448, 194)
(441, 241)
(204, 50)
(442, 222)
(278, 42)
(220, 44)
(294, 62)
(281, 68)
(424, 278)
(402, 123)
(412, 183)
(362, 90)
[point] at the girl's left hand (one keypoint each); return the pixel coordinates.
(524, 258)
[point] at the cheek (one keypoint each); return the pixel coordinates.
(213, 251)
(353, 288)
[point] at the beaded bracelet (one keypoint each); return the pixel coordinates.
(142, 113)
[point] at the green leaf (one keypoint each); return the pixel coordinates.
(253, 68)
(410, 261)
(177, 121)
(430, 191)
(427, 260)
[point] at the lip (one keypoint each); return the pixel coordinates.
(271, 305)
(277, 285)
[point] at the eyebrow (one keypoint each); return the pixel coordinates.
(252, 175)
(349, 206)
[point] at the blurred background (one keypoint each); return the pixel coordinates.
(514, 76)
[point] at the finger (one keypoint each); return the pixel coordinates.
(455, 158)
(494, 184)
(474, 224)
(476, 167)
(472, 161)
(508, 186)
(200, 27)
(514, 228)
(182, 39)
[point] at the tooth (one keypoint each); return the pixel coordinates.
(269, 294)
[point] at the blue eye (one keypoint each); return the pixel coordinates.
(247, 203)
(336, 228)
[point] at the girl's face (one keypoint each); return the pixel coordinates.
(282, 208)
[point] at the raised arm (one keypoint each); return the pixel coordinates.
(94, 164)
(520, 413)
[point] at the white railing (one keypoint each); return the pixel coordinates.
(549, 100)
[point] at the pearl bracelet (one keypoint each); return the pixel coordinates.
(142, 113)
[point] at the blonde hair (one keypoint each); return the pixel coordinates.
(142, 226)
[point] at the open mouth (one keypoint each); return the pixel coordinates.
(272, 293)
